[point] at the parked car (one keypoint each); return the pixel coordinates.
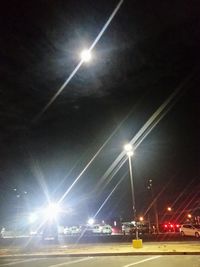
(128, 228)
(67, 231)
(190, 230)
(97, 229)
(102, 229)
(86, 230)
(107, 229)
(73, 230)
(116, 230)
(170, 227)
(144, 228)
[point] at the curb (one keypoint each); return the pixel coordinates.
(100, 254)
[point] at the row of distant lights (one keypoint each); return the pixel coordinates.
(19, 195)
(189, 215)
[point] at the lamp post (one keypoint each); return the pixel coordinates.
(130, 152)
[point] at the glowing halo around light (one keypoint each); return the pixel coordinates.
(86, 55)
(91, 221)
(51, 211)
(33, 217)
(129, 150)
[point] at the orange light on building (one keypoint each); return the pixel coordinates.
(169, 208)
(189, 216)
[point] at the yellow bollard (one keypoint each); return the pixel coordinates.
(137, 243)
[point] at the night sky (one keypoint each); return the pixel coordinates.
(149, 49)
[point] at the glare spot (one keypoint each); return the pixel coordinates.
(86, 55)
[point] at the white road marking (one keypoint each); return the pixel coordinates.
(138, 262)
(17, 262)
(71, 262)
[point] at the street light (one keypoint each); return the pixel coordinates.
(86, 55)
(91, 221)
(128, 148)
(169, 208)
(141, 219)
(51, 211)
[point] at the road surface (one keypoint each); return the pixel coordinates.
(110, 261)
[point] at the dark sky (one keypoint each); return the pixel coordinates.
(148, 50)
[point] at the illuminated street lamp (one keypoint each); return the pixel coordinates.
(169, 208)
(129, 150)
(141, 219)
(91, 221)
(189, 216)
(86, 55)
(51, 212)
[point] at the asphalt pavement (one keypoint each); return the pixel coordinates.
(95, 250)
(111, 261)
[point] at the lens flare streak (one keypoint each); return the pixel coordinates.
(118, 183)
(149, 125)
(80, 63)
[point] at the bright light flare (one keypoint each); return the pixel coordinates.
(33, 217)
(141, 219)
(51, 212)
(86, 55)
(129, 150)
(91, 221)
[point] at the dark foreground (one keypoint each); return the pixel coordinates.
(117, 261)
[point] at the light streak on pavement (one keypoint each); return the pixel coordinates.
(18, 262)
(139, 262)
(71, 262)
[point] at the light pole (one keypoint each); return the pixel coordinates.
(130, 152)
(154, 201)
